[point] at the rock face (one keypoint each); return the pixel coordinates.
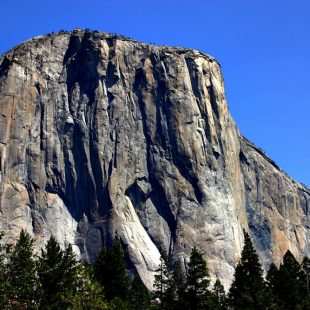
(99, 134)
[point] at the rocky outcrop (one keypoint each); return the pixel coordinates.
(99, 134)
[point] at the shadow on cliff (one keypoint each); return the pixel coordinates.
(167, 142)
(85, 192)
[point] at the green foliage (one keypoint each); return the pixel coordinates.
(23, 281)
(179, 288)
(287, 284)
(89, 292)
(163, 294)
(247, 290)
(305, 275)
(271, 283)
(58, 274)
(139, 295)
(271, 277)
(4, 277)
(118, 304)
(218, 297)
(111, 271)
(305, 282)
(197, 282)
(57, 281)
(169, 287)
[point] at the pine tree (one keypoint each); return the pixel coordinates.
(197, 282)
(271, 283)
(139, 295)
(169, 287)
(247, 290)
(89, 292)
(4, 277)
(219, 296)
(272, 277)
(305, 265)
(289, 283)
(111, 271)
(179, 288)
(22, 273)
(57, 270)
(50, 273)
(163, 294)
(305, 282)
(118, 304)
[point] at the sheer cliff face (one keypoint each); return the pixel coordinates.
(100, 134)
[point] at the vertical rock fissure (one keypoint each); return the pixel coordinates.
(161, 205)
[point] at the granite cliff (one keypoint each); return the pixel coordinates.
(99, 133)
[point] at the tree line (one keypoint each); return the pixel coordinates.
(55, 279)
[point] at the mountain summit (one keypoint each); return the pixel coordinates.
(102, 134)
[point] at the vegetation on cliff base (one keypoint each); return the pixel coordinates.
(56, 280)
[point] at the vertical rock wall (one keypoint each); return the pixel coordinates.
(100, 134)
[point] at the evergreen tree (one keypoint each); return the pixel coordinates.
(288, 286)
(139, 295)
(197, 282)
(89, 292)
(169, 287)
(163, 293)
(179, 288)
(305, 266)
(57, 270)
(111, 271)
(4, 277)
(119, 304)
(271, 283)
(305, 282)
(247, 290)
(218, 296)
(272, 277)
(22, 274)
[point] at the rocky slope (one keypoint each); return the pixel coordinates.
(99, 134)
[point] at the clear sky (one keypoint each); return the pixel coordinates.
(262, 45)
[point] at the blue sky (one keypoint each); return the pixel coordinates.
(263, 47)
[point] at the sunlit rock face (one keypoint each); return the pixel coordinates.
(100, 134)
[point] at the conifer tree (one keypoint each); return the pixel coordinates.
(271, 277)
(305, 266)
(179, 288)
(218, 296)
(163, 294)
(118, 304)
(89, 292)
(139, 295)
(4, 277)
(197, 282)
(247, 290)
(22, 273)
(161, 281)
(169, 287)
(288, 286)
(305, 269)
(111, 271)
(271, 283)
(57, 270)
